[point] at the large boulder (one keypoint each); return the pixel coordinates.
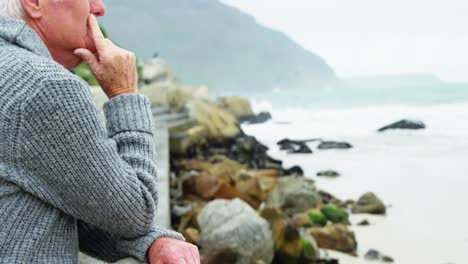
(368, 203)
(404, 124)
(232, 232)
(336, 237)
(294, 195)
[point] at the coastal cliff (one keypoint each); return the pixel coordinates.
(209, 43)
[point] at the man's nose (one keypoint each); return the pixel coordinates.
(97, 7)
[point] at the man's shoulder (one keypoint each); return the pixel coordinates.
(22, 63)
(33, 74)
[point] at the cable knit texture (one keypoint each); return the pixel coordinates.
(68, 180)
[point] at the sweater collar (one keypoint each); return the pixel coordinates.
(17, 32)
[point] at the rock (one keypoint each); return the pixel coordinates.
(257, 185)
(329, 198)
(327, 261)
(387, 259)
(267, 172)
(262, 117)
(251, 188)
(286, 236)
(291, 245)
(317, 217)
(186, 136)
(301, 149)
(266, 183)
(225, 168)
(364, 222)
(180, 210)
(368, 203)
(328, 173)
(295, 146)
(302, 220)
(192, 235)
(218, 122)
(334, 145)
(294, 195)
(210, 187)
(239, 107)
(404, 124)
(336, 237)
(374, 255)
(157, 71)
(190, 218)
(335, 214)
(234, 227)
(310, 249)
(294, 171)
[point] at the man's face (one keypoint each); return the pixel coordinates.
(65, 23)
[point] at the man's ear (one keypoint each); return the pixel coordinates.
(33, 8)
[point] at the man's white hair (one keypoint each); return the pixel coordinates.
(11, 8)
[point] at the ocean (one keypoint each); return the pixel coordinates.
(421, 175)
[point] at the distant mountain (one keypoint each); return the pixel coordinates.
(206, 42)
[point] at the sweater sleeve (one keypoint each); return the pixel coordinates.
(106, 178)
(111, 248)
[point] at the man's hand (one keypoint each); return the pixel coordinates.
(114, 68)
(172, 251)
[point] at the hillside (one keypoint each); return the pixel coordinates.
(208, 43)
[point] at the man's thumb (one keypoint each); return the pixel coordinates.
(87, 57)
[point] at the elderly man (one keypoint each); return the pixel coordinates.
(67, 182)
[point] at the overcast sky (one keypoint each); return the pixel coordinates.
(373, 37)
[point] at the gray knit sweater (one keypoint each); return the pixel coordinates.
(69, 182)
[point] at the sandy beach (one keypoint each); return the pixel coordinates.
(420, 175)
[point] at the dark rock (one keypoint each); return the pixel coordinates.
(327, 261)
(328, 173)
(364, 222)
(296, 146)
(300, 149)
(372, 254)
(262, 117)
(329, 198)
(296, 170)
(334, 145)
(369, 203)
(404, 124)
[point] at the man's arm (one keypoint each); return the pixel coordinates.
(111, 248)
(106, 178)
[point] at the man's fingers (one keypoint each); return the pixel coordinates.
(98, 37)
(88, 57)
